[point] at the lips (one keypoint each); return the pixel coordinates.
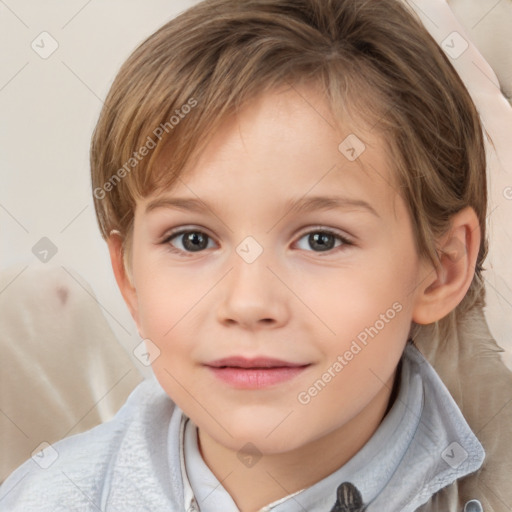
(258, 362)
(254, 373)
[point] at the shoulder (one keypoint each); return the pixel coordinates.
(74, 473)
(469, 364)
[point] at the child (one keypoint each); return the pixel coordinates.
(293, 196)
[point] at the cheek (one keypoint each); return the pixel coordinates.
(166, 296)
(367, 315)
(347, 300)
(156, 307)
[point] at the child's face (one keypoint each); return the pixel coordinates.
(294, 302)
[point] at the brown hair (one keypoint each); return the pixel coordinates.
(374, 60)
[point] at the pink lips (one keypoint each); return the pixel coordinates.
(256, 373)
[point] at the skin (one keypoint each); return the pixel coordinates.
(294, 302)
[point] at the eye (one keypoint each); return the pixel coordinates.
(188, 241)
(323, 240)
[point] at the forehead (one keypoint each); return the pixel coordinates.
(287, 143)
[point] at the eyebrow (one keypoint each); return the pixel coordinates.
(301, 205)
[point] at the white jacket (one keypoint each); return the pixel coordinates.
(133, 462)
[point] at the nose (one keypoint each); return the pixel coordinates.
(253, 297)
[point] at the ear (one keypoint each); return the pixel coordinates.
(124, 282)
(443, 288)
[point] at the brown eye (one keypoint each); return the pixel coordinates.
(188, 241)
(322, 241)
(195, 241)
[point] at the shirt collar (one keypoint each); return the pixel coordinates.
(422, 445)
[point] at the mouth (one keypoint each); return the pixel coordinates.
(255, 373)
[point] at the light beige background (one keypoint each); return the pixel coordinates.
(48, 110)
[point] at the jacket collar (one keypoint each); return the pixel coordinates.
(423, 445)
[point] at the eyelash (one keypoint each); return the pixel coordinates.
(174, 234)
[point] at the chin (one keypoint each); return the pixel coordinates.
(251, 440)
(268, 436)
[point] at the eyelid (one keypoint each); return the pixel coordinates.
(183, 229)
(347, 239)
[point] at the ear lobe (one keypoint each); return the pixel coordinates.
(124, 282)
(444, 287)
